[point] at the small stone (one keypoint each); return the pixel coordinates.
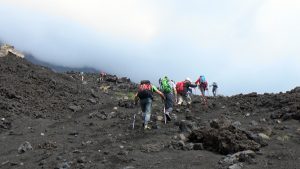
(248, 114)
(189, 146)
(264, 136)
(75, 133)
(92, 101)
(182, 137)
(42, 134)
(77, 151)
(112, 115)
(4, 163)
(283, 138)
(121, 147)
(124, 153)
(160, 118)
(59, 158)
(236, 166)
(82, 160)
(115, 108)
(2, 119)
(236, 124)
(26, 146)
(263, 120)
(75, 108)
(181, 143)
(253, 123)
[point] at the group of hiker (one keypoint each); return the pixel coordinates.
(171, 94)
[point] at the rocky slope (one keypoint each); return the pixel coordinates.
(51, 120)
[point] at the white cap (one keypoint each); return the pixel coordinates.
(188, 79)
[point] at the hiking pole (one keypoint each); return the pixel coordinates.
(133, 121)
(165, 117)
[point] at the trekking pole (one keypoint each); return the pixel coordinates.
(165, 117)
(134, 118)
(133, 123)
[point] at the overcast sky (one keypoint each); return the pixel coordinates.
(243, 45)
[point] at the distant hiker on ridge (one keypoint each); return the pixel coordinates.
(214, 89)
(202, 83)
(145, 95)
(82, 76)
(102, 76)
(182, 91)
(167, 87)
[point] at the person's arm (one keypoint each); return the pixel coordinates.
(158, 92)
(192, 85)
(197, 81)
(136, 98)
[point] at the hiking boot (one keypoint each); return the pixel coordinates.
(147, 127)
(167, 114)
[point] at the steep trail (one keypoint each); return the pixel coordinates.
(71, 124)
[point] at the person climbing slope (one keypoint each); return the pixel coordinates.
(168, 89)
(145, 95)
(202, 83)
(214, 89)
(182, 91)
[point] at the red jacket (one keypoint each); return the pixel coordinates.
(202, 84)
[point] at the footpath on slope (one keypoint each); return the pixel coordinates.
(51, 120)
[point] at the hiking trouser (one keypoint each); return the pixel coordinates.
(184, 97)
(146, 105)
(202, 90)
(169, 102)
(214, 90)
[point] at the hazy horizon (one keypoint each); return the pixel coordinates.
(244, 46)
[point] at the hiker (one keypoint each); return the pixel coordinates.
(182, 91)
(102, 76)
(190, 91)
(82, 76)
(145, 95)
(202, 83)
(214, 89)
(168, 89)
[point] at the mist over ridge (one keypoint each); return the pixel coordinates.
(232, 44)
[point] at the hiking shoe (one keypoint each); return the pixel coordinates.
(147, 127)
(168, 116)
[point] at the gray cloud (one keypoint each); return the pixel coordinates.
(238, 58)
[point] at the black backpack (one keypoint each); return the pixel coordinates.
(145, 90)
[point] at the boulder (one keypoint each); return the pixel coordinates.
(224, 140)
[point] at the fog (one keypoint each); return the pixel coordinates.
(244, 46)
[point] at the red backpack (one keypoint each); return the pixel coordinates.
(144, 87)
(145, 90)
(180, 87)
